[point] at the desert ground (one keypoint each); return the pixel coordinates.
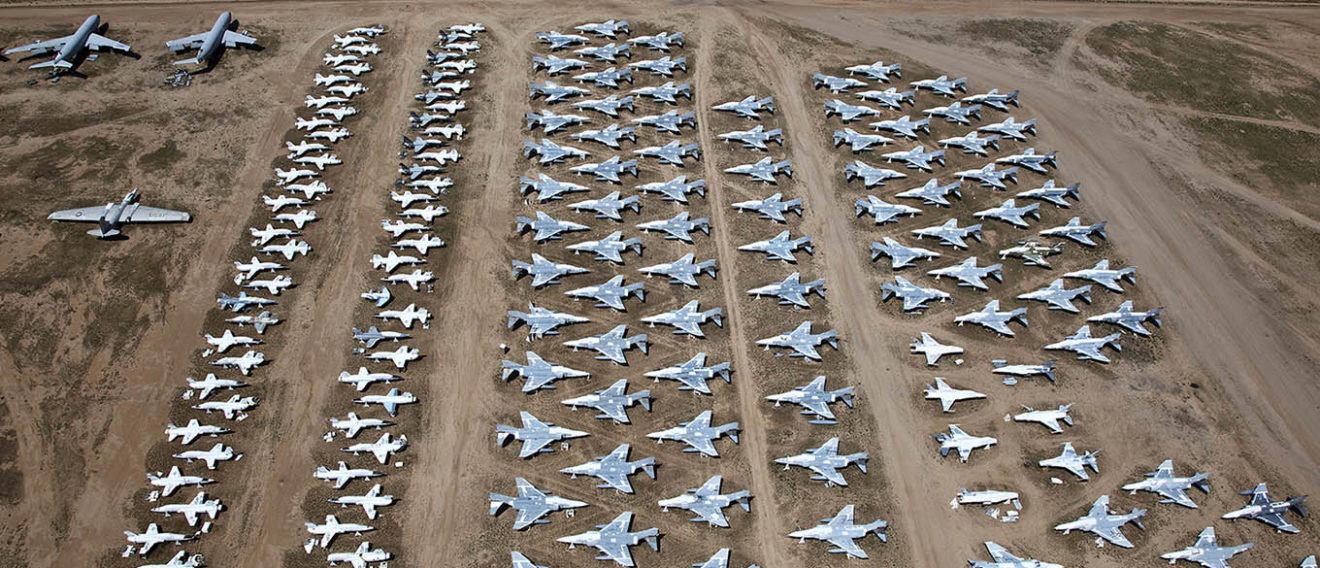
(1192, 128)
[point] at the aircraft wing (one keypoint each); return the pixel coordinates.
(831, 474)
(1000, 555)
(819, 408)
(1002, 327)
(711, 514)
(98, 41)
(808, 351)
(191, 42)
(531, 446)
(947, 403)
(848, 546)
(191, 515)
(1277, 521)
(702, 444)
(233, 39)
(529, 515)
(144, 214)
(86, 214)
(617, 551)
(793, 297)
(42, 46)
(964, 452)
(689, 327)
(617, 480)
(1093, 352)
(911, 302)
(1112, 535)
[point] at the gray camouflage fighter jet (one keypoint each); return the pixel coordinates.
(942, 85)
(241, 302)
(1103, 523)
(933, 193)
(210, 44)
(538, 373)
(612, 344)
(1031, 160)
(801, 342)
(610, 248)
(532, 504)
(841, 532)
(610, 294)
(609, 207)
(914, 297)
(763, 170)
(857, 141)
(608, 78)
(612, 402)
(826, 462)
(948, 395)
(1126, 318)
(608, 106)
(890, 98)
(988, 176)
(687, 320)
(1010, 128)
(614, 540)
(1053, 194)
(1032, 253)
(955, 113)
(551, 122)
(1001, 558)
(71, 49)
(1087, 347)
(608, 28)
(554, 92)
(1101, 274)
(665, 93)
(671, 153)
(112, 216)
(871, 176)
(551, 152)
(678, 227)
(676, 189)
(815, 400)
(663, 67)
(694, 374)
(748, 107)
(791, 291)
(780, 247)
(900, 255)
(614, 469)
(972, 143)
(1164, 483)
(545, 272)
(882, 211)
(555, 65)
(547, 228)
(560, 41)
(707, 502)
(610, 170)
(372, 336)
(903, 126)
(835, 85)
(968, 274)
(1207, 551)
(1077, 232)
(991, 318)
(535, 435)
(1267, 511)
(1071, 461)
(608, 136)
(1058, 297)
(1010, 213)
(877, 71)
(670, 121)
(994, 99)
(682, 271)
(541, 321)
(772, 208)
(698, 434)
(963, 442)
(848, 112)
(659, 42)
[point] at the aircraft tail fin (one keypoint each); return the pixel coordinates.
(104, 233)
(1296, 504)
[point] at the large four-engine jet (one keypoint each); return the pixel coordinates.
(208, 44)
(71, 48)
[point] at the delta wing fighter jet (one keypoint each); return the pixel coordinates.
(149, 539)
(815, 400)
(224, 342)
(682, 271)
(1031, 160)
(1053, 194)
(1076, 231)
(1010, 213)
(1032, 253)
(693, 374)
(1101, 274)
(678, 227)
(687, 320)
(671, 153)
(1163, 482)
(663, 67)
(608, 106)
(791, 291)
(763, 170)
(835, 85)
(364, 379)
(932, 349)
(382, 448)
(665, 93)
(942, 85)
(551, 122)
(612, 402)
(955, 113)
(389, 401)
(352, 424)
(192, 510)
(748, 107)
(1048, 418)
(914, 297)
(71, 50)
(698, 434)
(191, 431)
(1104, 524)
(780, 247)
(610, 248)
(333, 528)
(610, 170)
(933, 193)
(972, 143)
(1001, 558)
(882, 211)
(230, 408)
(855, 140)
(609, 207)
(1129, 319)
(841, 533)
(968, 274)
(608, 136)
(112, 216)
(535, 435)
(801, 342)
(610, 294)
(1087, 347)
(659, 42)
(244, 363)
(547, 188)
(1267, 511)
(1073, 462)
(1010, 128)
(607, 28)
(877, 71)
(948, 395)
(962, 442)
(218, 453)
(554, 92)
(1058, 297)
(555, 65)
(538, 373)
(848, 112)
(532, 504)
(670, 121)
(826, 463)
(560, 41)
(991, 318)
(614, 469)
(890, 98)
(707, 503)
(903, 126)
(174, 480)
(871, 176)
(614, 539)
(546, 228)
(901, 256)
(772, 208)
(676, 189)
(1207, 551)
(541, 321)
(340, 477)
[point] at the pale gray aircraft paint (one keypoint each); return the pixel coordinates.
(972, 143)
(763, 170)
(70, 49)
(538, 373)
(665, 93)
(352, 424)
(361, 556)
(1104, 524)
(1032, 253)
(547, 188)
(389, 401)
(608, 28)
(663, 67)
(678, 227)
(399, 357)
(149, 539)
(801, 342)
(1087, 347)
(914, 297)
(364, 378)
(855, 140)
(614, 539)
(903, 126)
(610, 170)
(608, 106)
(550, 152)
(1073, 462)
(520, 561)
(1010, 213)
(1165, 483)
(835, 85)
(676, 189)
(609, 53)
(1129, 319)
(791, 291)
(608, 78)
(1058, 297)
(609, 207)
(962, 442)
(613, 469)
(955, 113)
(611, 293)
(419, 144)
(340, 477)
(611, 344)
(229, 408)
(535, 435)
(871, 176)
(532, 504)
(218, 453)
(1048, 418)
(815, 400)
(942, 85)
(1031, 160)
(1001, 558)
(191, 431)
(693, 374)
(841, 532)
(968, 274)
(244, 363)
(112, 216)
(988, 176)
(192, 510)
(826, 462)
(555, 65)
(748, 107)
(541, 321)
(608, 136)
(208, 44)
(682, 271)
(1101, 274)
(551, 122)
(995, 99)
(1045, 369)
(848, 112)
(772, 208)
(1076, 231)
(546, 228)
(698, 434)
(990, 317)
(382, 448)
(687, 319)
(610, 248)
(671, 153)
(900, 255)
(780, 247)
(948, 395)
(1052, 193)
(1207, 551)
(263, 236)
(707, 503)
(1268, 511)
(1010, 128)
(414, 171)
(612, 402)
(333, 528)
(933, 193)
(670, 121)
(559, 41)
(554, 92)
(877, 71)
(890, 98)
(882, 211)
(422, 244)
(406, 316)
(168, 484)
(659, 42)
(1309, 562)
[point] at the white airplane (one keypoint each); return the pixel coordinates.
(297, 150)
(1129, 319)
(389, 401)
(192, 509)
(393, 260)
(363, 379)
(174, 480)
(1011, 128)
(1087, 347)
(1052, 193)
(361, 557)
(882, 211)
(398, 228)
(299, 218)
(149, 539)
(991, 318)
(969, 274)
(230, 408)
(835, 85)
(948, 395)
(192, 430)
(848, 113)
(368, 502)
(330, 80)
(1045, 369)
(333, 528)
(273, 285)
(1058, 297)
(826, 463)
(288, 250)
(219, 452)
(259, 321)
(900, 256)
(1010, 213)
(933, 349)
(614, 539)
(1207, 551)
(1168, 485)
(687, 319)
(890, 98)
(270, 233)
(801, 342)
(340, 477)
(1048, 418)
(871, 176)
(423, 244)
(933, 193)
(400, 357)
(903, 126)
(1001, 558)
(942, 85)
(841, 532)
(319, 160)
(877, 71)
(244, 363)
(224, 342)
(963, 442)
(70, 49)
(352, 424)
(177, 562)
(1101, 274)
(310, 124)
(1076, 231)
(914, 296)
(407, 316)
(309, 190)
(324, 101)
(987, 497)
(535, 435)
(1075, 464)
(972, 143)
(995, 99)
(382, 448)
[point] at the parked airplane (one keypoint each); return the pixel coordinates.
(244, 363)
(903, 126)
(559, 41)
(382, 448)
(149, 539)
(1010, 128)
(333, 528)
(609, 53)
(535, 435)
(856, 141)
(687, 319)
(1078, 232)
(230, 408)
(682, 271)
(900, 256)
(609, 136)
(1053, 194)
(675, 189)
(1001, 558)
(169, 483)
(948, 395)
(1010, 213)
(340, 477)
(1087, 347)
(178, 561)
(991, 318)
(612, 402)
(71, 50)
(610, 248)
(608, 78)
(613, 469)
(659, 42)
(955, 113)
(611, 344)
(791, 291)
(972, 143)
(407, 316)
(1003, 368)
(670, 121)
(1101, 274)
(995, 99)
(914, 297)
(1267, 511)
(610, 294)
(780, 247)
(554, 92)
(378, 297)
(942, 85)
(1103, 523)
(1126, 318)
(841, 532)
(112, 216)
(614, 539)
(224, 342)
(763, 170)
(264, 236)
(363, 379)
(556, 65)
(801, 342)
(1163, 482)
(882, 211)
(826, 462)
(606, 29)
(1058, 297)
(677, 228)
(707, 502)
(538, 373)
(532, 504)
(671, 153)
(835, 85)
(609, 207)
(848, 112)
(963, 442)
(361, 557)
(352, 424)
(1075, 464)
(1207, 552)
(933, 193)
(815, 400)
(390, 401)
(609, 105)
(218, 453)
(871, 176)
(698, 434)
(665, 93)
(547, 188)
(547, 228)
(1048, 418)
(1032, 252)
(969, 274)
(693, 374)
(663, 67)
(191, 510)
(1031, 160)
(877, 71)
(748, 107)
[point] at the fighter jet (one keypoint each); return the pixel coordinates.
(606, 29)
(933, 193)
(153, 536)
(378, 297)
(1010, 128)
(663, 67)
(748, 107)
(988, 176)
(871, 176)
(230, 408)
(414, 171)
(1071, 461)
(339, 112)
(614, 539)
(112, 216)
(1101, 274)
(963, 442)
(780, 247)
(995, 99)
(538, 374)
(219, 452)
(333, 136)
(420, 144)
(310, 124)
(969, 274)
(541, 321)
(1057, 297)
(608, 106)
(991, 318)
(1078, 232)
(1207, 551)
(554, 92)
(659, 42)
(671, 153)
(608, 207)
(556, 65)
(1049, 192)
(972, 143)
(449, 131)
(687, 319)
(520, 561)
(900, 255)
(942, 85)
(698, 434)
(560, 41)
(1032, 252)
(791, 291)
(890, 98)
(535, 435)
(427, 214)
(407, 315)
(847, 112)
(612, 402)
(815, 400)
(263, 236)
(1173, 488)
(393, 261)
(1103, 523)
(244, 363)
(877, 71)
(611, 293)
(948, 395)
(917, 158)
(613, 469)
(425, 120)
(532, 504)
(301, 148)
(169, 483)
(841, 532)
(177, 561)
(299, 218)
(547, 228)
(547, 188)
(676, 189)
(826, 462)
(678, 227)
(311, 190)
(857, 141)
(1031, 160)
(611, 344)
(772, 208)
(682, 271)
(192, 509)
(835, 85)
(763, 170)
(1048, 418)
(389, 401)
(707, 502)
(1001, 558)
(904, 126)
(693, 374)
(1128, 319)
(333, 528)
(882, 211)
(224, 342)
(608, 136)
(610, 170)
(609, 78)
(1003, 368)
(382, 448)
(665, 93)
(364, 378)
(340, 477)
(241, 302)
(551, 152)
(610, 248)
(670, 121)
(914, 297)
(323, 101)
(362, 556)
(1010, 213)
(932, 349)
(1269, 512)
(352, 424)
(955, 113)
(71, 49)
(607, 53)
(1086, 347)
(801, 342)
(552, 122)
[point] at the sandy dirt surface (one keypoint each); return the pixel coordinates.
(98, 336)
